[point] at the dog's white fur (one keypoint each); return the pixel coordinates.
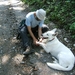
(64, 58)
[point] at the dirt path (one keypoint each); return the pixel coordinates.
(11, 13)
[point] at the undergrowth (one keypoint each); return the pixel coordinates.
(61, 12)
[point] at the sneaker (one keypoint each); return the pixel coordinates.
(28, 51)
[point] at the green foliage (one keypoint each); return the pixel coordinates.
(61, 12)
(72, 29)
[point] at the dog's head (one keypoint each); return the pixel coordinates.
(50, 34)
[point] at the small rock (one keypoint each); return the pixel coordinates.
(22, 62)
(5, 39)
(13, 48)
(66, 39)
(71, 73)
(74, 45)
(14, 38)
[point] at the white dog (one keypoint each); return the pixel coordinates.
(64, 58)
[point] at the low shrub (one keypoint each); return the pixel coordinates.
(61, 12)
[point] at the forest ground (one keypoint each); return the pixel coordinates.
(11, 13)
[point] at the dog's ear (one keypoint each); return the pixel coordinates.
(54, 30)
(56, 33)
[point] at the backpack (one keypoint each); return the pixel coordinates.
(22, 24)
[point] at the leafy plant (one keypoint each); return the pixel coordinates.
(62, 12)
(72, 28)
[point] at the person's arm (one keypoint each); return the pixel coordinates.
(32, 35)
(40, 33)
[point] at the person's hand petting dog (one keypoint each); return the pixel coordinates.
(40, 40)
(34, 41)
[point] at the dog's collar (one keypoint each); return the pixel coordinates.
(50, 40)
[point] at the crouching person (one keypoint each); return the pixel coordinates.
(34, 26)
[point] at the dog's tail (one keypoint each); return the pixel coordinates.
(59, 67)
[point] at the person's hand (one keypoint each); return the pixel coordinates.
(34, 41)
(40, 39)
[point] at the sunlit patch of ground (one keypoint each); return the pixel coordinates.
(18, 59)
(5, 59)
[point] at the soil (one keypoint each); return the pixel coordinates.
(12, 61)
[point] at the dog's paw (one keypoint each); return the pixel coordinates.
(37, 42)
